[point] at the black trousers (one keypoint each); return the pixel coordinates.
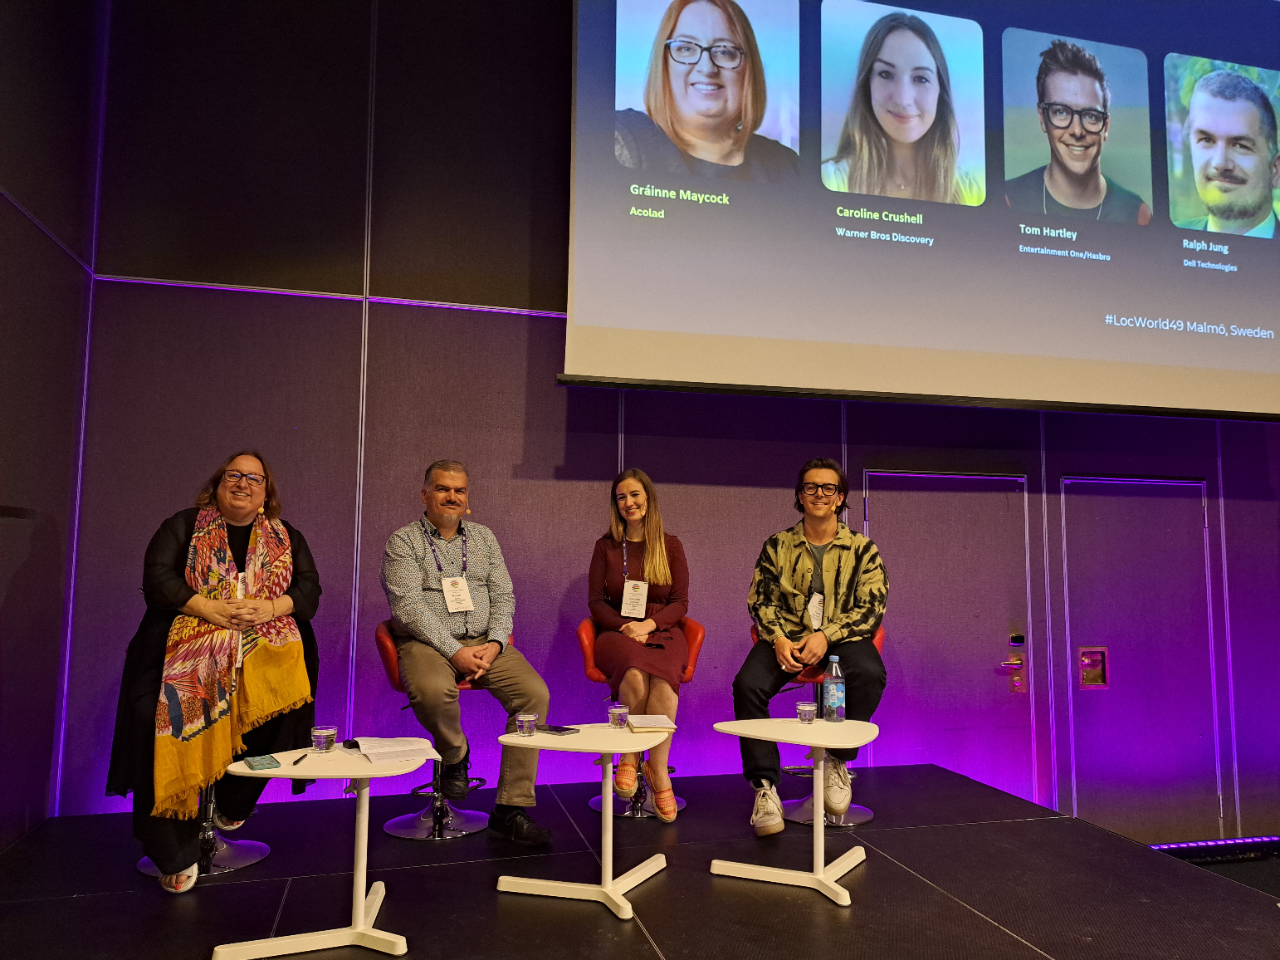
(760, 679)
(173, 845)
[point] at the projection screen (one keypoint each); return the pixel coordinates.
(1066, 204)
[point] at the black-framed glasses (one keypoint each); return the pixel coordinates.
(828, 489)
(723, 55)
(1061, 116)
(235, 476)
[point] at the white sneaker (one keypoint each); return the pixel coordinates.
(767, 816)
(836, 792)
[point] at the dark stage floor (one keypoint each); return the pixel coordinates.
(954, 869)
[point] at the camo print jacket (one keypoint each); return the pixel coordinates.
(855, 585)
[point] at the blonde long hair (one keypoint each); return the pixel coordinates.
(863, 142)
(657, 88)
(656, 568)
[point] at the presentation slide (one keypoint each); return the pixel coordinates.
(1061, 204)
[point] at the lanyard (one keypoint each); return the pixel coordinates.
(624, 559)
(431, 542)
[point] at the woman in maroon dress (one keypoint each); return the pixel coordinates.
(644, 657)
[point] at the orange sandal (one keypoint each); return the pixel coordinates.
(624, 779)
(664, 801)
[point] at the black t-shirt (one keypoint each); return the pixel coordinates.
(641, 144)
(815, 582)
(238, 541)
(1029, 194)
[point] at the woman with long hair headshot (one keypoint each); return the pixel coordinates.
(644, 657)
(704, 99)
(900, 137)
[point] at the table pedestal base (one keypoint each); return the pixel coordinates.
(824, 882)
(610, 890)
(824, 875)
(367, 936)
(612, 896)
(364, 911)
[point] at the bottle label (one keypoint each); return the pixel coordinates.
(834, 694)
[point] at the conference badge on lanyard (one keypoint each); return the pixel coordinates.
(457, 595)
(635, 597)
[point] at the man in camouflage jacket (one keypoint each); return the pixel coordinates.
(803, 618)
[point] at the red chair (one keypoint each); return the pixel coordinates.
(440, 820)
(801, 811)
(640, 804)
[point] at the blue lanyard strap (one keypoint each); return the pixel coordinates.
(431, 542)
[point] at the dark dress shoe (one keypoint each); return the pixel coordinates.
(520, 827)
(455, 779)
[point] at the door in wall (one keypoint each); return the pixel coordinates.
(1142, 723)
(955, 548)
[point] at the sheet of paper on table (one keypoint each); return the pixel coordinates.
(390, 749)
(643, 722)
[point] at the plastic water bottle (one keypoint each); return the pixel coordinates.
(833, 692)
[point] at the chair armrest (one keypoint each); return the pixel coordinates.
(694, 633)
(389, 655)
(587, 641)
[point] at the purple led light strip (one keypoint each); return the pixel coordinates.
(1229, 842)
(64, 667)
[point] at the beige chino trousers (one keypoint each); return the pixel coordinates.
(432, 685)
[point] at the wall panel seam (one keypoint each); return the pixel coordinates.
(364, 367)
(1226, 630)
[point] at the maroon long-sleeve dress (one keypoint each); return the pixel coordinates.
(665, 653)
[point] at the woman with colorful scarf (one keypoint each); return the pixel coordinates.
(224, 663)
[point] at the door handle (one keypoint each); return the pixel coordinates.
(1015, 662)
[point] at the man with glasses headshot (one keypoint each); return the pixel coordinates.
(819, 590)
(1072, 100)
(1232, 128)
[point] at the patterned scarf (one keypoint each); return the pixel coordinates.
(219, 683)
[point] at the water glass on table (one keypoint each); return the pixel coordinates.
(323, 739)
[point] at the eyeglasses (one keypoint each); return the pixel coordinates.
(1061, 116)
(723, 55)
(255, 479)
(811, 489)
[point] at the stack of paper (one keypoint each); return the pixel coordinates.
(650, 723)
(394, 749)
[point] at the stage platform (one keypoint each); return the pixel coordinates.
(954, 869)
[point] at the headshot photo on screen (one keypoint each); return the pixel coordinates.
(1077, 129)
(709, 88)
(1224, 168)
(902, 104)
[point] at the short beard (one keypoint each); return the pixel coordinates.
(1230, 210)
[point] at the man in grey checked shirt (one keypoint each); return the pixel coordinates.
(438, 647)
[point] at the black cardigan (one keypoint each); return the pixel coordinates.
(166, 591)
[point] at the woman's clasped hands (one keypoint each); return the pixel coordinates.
(237, 614)
(638, 630)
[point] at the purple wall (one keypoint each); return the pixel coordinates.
(206, 179)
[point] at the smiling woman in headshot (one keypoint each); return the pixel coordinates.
(224, 663)
(900, 137)
(704, 99)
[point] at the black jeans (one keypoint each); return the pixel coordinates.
(760, 679)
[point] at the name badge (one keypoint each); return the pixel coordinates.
(457, 595)
(635, 595)
(815, 612)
